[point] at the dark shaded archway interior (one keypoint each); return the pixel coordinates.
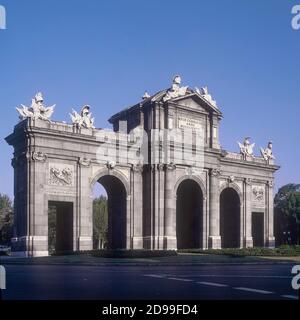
(60, 226)
(189, 215)
(116, 194)
(258, 229)
(230, 218)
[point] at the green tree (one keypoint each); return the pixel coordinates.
(100, 222)
(287, 202)
(6, 219)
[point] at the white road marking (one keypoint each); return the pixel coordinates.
(153, 275)
(180, 279)
(253, 290)
(213, 284)
(232, 276)
(290, 297)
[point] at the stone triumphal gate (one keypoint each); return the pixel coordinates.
(155, 199)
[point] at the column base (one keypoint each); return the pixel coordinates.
(29, 254)
(214, 242)
(248, 242)
(270, 242)
(154, 243)
(137, 243)
(170, 243)
(29, 246)
(85, 243)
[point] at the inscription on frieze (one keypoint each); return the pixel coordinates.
(186, 122)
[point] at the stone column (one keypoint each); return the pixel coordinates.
(35, 242)
(85, 206)
(214, 240)
(129, 222)
(156, 208)
(160, 202)
(248, 240)
(137, 221)
(170, 240)
(270, 216)
(205, 223)
(31, 238)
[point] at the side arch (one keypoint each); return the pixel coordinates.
(190, 201)
(118, 203)
(230, 216)
(109, 172)
(191, 177)
(233, 186)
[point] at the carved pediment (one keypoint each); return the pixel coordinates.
(191, 104)
(194, 101)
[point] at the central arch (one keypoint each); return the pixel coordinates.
(230, 218)
(189, 215)
(116, 188)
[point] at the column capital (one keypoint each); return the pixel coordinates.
(137, 167)
(215, 172)
(170, 166)
(248, 181)
(84, 162)
(160, 166)
(39, 156)
(270, 183)
(157, 167)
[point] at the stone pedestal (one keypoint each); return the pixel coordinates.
(248, 242)
(214, 242)
(137, 243)
(30, 246)
(170, 243)
(85, 243)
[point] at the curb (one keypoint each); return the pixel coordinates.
(109, 264)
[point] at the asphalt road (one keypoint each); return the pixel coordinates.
(149, 282)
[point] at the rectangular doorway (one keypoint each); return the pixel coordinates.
(60, 226)
(258, 229)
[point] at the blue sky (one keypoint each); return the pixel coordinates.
(107, 53)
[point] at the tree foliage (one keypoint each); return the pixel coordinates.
(6, 219)
(287, 200)
(287, 203)
(100, 222)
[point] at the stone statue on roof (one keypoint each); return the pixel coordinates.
(146, 95)
(37, 110)
(84, 119)
(204, 93)
(246, 149)
(267, 153)
(175, 90)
